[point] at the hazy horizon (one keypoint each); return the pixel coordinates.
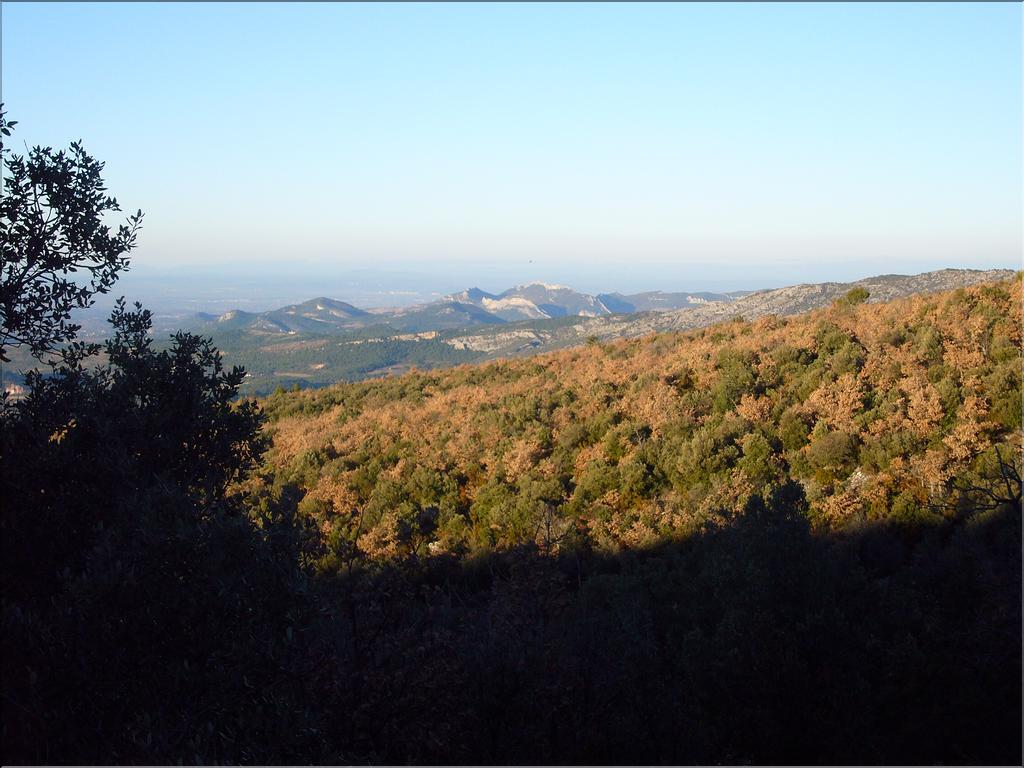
(212, 289)
(607, 147)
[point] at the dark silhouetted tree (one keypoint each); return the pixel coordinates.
(57, 251)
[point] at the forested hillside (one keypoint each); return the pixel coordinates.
(877, 413)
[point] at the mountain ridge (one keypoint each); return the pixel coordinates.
(537, 301)
(322, 347)
(788, 300)
(527, 301)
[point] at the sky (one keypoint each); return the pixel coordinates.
(606, 146)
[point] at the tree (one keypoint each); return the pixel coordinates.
(57, 252)
(854, 296)
(109, 434)
(117, 530)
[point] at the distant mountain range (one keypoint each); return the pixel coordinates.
(325, 316)
(472, 307)
(537, 301)
(321, 315)
(324, 340)
(604, 315)
(791, 300)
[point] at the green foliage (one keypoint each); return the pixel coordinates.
(1003, 386)
(832, 455)
(736, 378)
(928, 343)
(639, 479)
(597, 478)
(854, 296)
(757, 458)
(793, 431)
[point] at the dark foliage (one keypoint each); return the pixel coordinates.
(86, 443)
(140, 605)
(196, 640)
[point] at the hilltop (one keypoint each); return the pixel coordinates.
(700, 310)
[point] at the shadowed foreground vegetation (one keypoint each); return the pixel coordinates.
(191, 637)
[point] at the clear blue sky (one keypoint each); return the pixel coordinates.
(643, 145)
